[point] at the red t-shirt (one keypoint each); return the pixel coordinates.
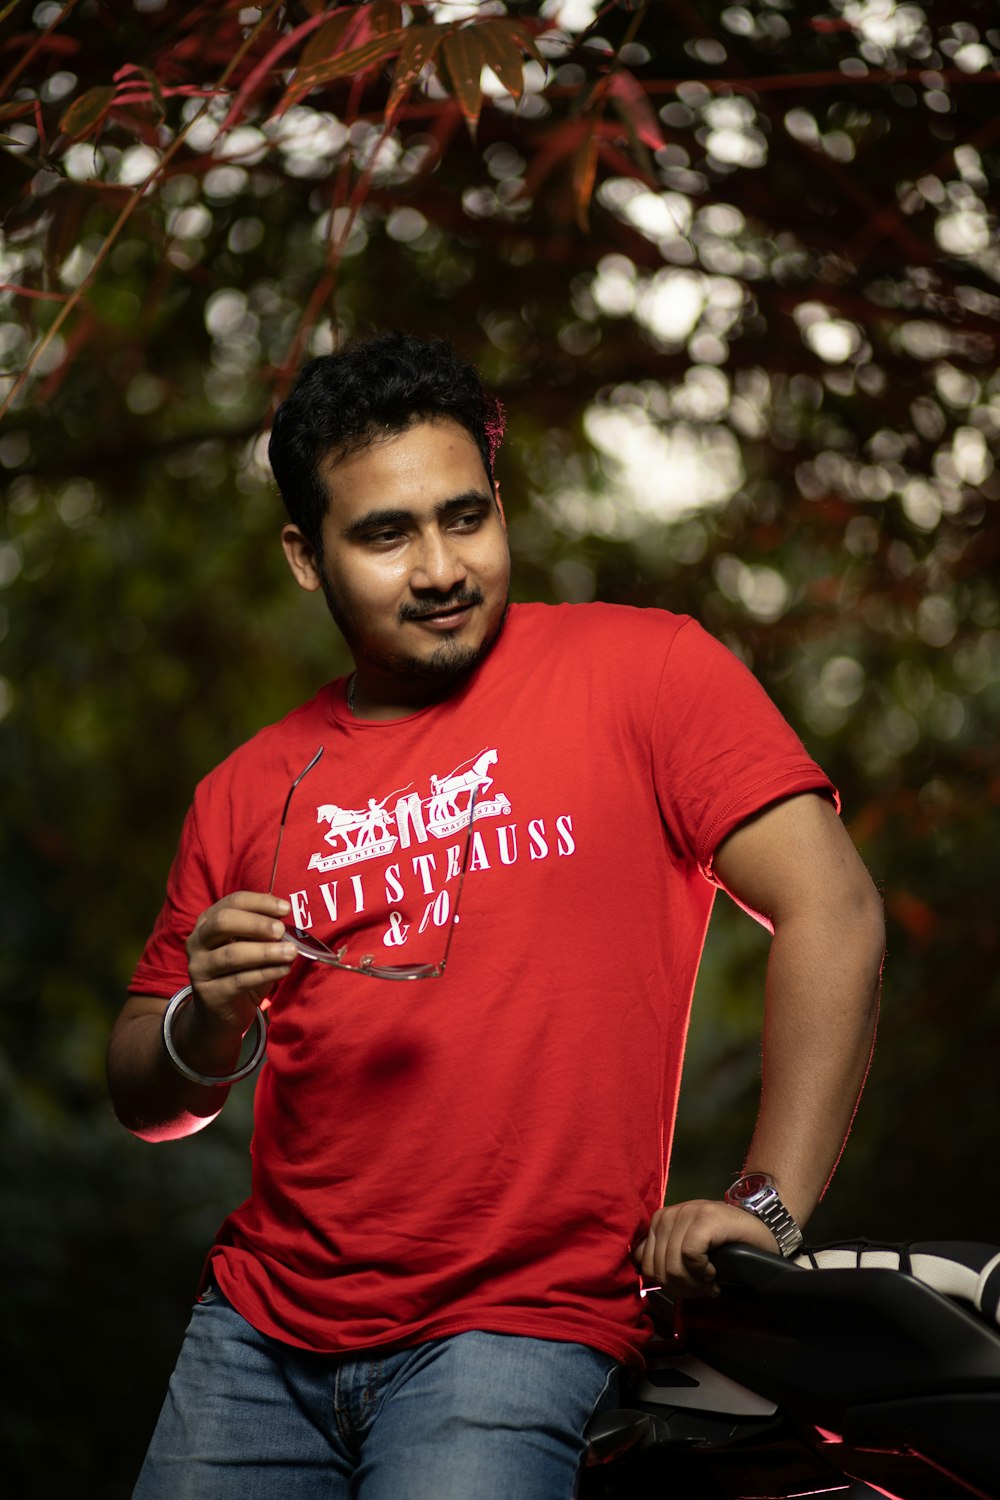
(480, 1150)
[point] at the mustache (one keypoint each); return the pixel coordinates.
(458, 598)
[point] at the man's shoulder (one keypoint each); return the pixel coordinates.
(597, 640)
(644, 649)
(274, 749)
(611, 623)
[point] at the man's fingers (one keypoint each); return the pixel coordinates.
(677, 1250)
(220, 974)
(694, 1256)
(259, 901)
(245, 981)
(240, 957)
(228, 920)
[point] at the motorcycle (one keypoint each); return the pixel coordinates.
(855, 1370)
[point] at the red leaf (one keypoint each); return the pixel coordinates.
(584, 176)
(419, 47)
(501, 45)
(385, 16)
(257, 75)
(87, 111)
(69, 204)
(357, 60)
(558, 144)
(523, 37)
(129, 80)
(347, 28)
(324, 42)
(15, 107)
(637, 114)
(464, 58)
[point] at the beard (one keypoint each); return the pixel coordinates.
(448, 662)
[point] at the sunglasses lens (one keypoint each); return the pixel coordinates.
(306, 944)
(435, 926)
(403, 971)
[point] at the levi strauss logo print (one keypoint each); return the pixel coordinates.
(354, 835)
(421, 829)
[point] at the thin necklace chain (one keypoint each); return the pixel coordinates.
(351, 688)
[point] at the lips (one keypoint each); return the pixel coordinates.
(446, 619)
(447, 616)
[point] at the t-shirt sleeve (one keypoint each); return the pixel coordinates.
(162, 969)
(722, 751)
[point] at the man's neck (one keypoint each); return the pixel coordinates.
(371, 696)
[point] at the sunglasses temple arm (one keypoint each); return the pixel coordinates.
(284, 817)
(461, 878)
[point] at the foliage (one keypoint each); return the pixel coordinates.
(734, 272)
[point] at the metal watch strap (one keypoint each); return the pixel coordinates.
(781, 1224)
(764, 1203)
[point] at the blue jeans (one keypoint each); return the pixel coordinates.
(479, 1416)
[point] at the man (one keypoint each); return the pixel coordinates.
(457, 1179)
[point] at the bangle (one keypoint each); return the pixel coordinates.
(176, 1001)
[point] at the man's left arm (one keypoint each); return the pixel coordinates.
(794, 867)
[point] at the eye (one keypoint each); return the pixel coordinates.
(468, 520)
(387, 537)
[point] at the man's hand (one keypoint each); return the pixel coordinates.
(236, 953)
(676, 1253)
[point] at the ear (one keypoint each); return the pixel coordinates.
(301, 559)
(496, 496)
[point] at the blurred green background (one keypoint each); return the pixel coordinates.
(734, 272)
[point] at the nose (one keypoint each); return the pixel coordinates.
(439, 568)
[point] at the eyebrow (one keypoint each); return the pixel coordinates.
(373, 520)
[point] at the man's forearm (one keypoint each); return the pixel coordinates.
(150, 1097)
(819, 1028)
(236, 953)
(796, 869)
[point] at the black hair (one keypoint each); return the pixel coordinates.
(375, 387)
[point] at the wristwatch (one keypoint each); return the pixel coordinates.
(756, 1194)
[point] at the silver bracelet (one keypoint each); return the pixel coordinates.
(176, 1001)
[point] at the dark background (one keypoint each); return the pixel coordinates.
(756, 240)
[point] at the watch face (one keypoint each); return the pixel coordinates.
(749, 1187)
